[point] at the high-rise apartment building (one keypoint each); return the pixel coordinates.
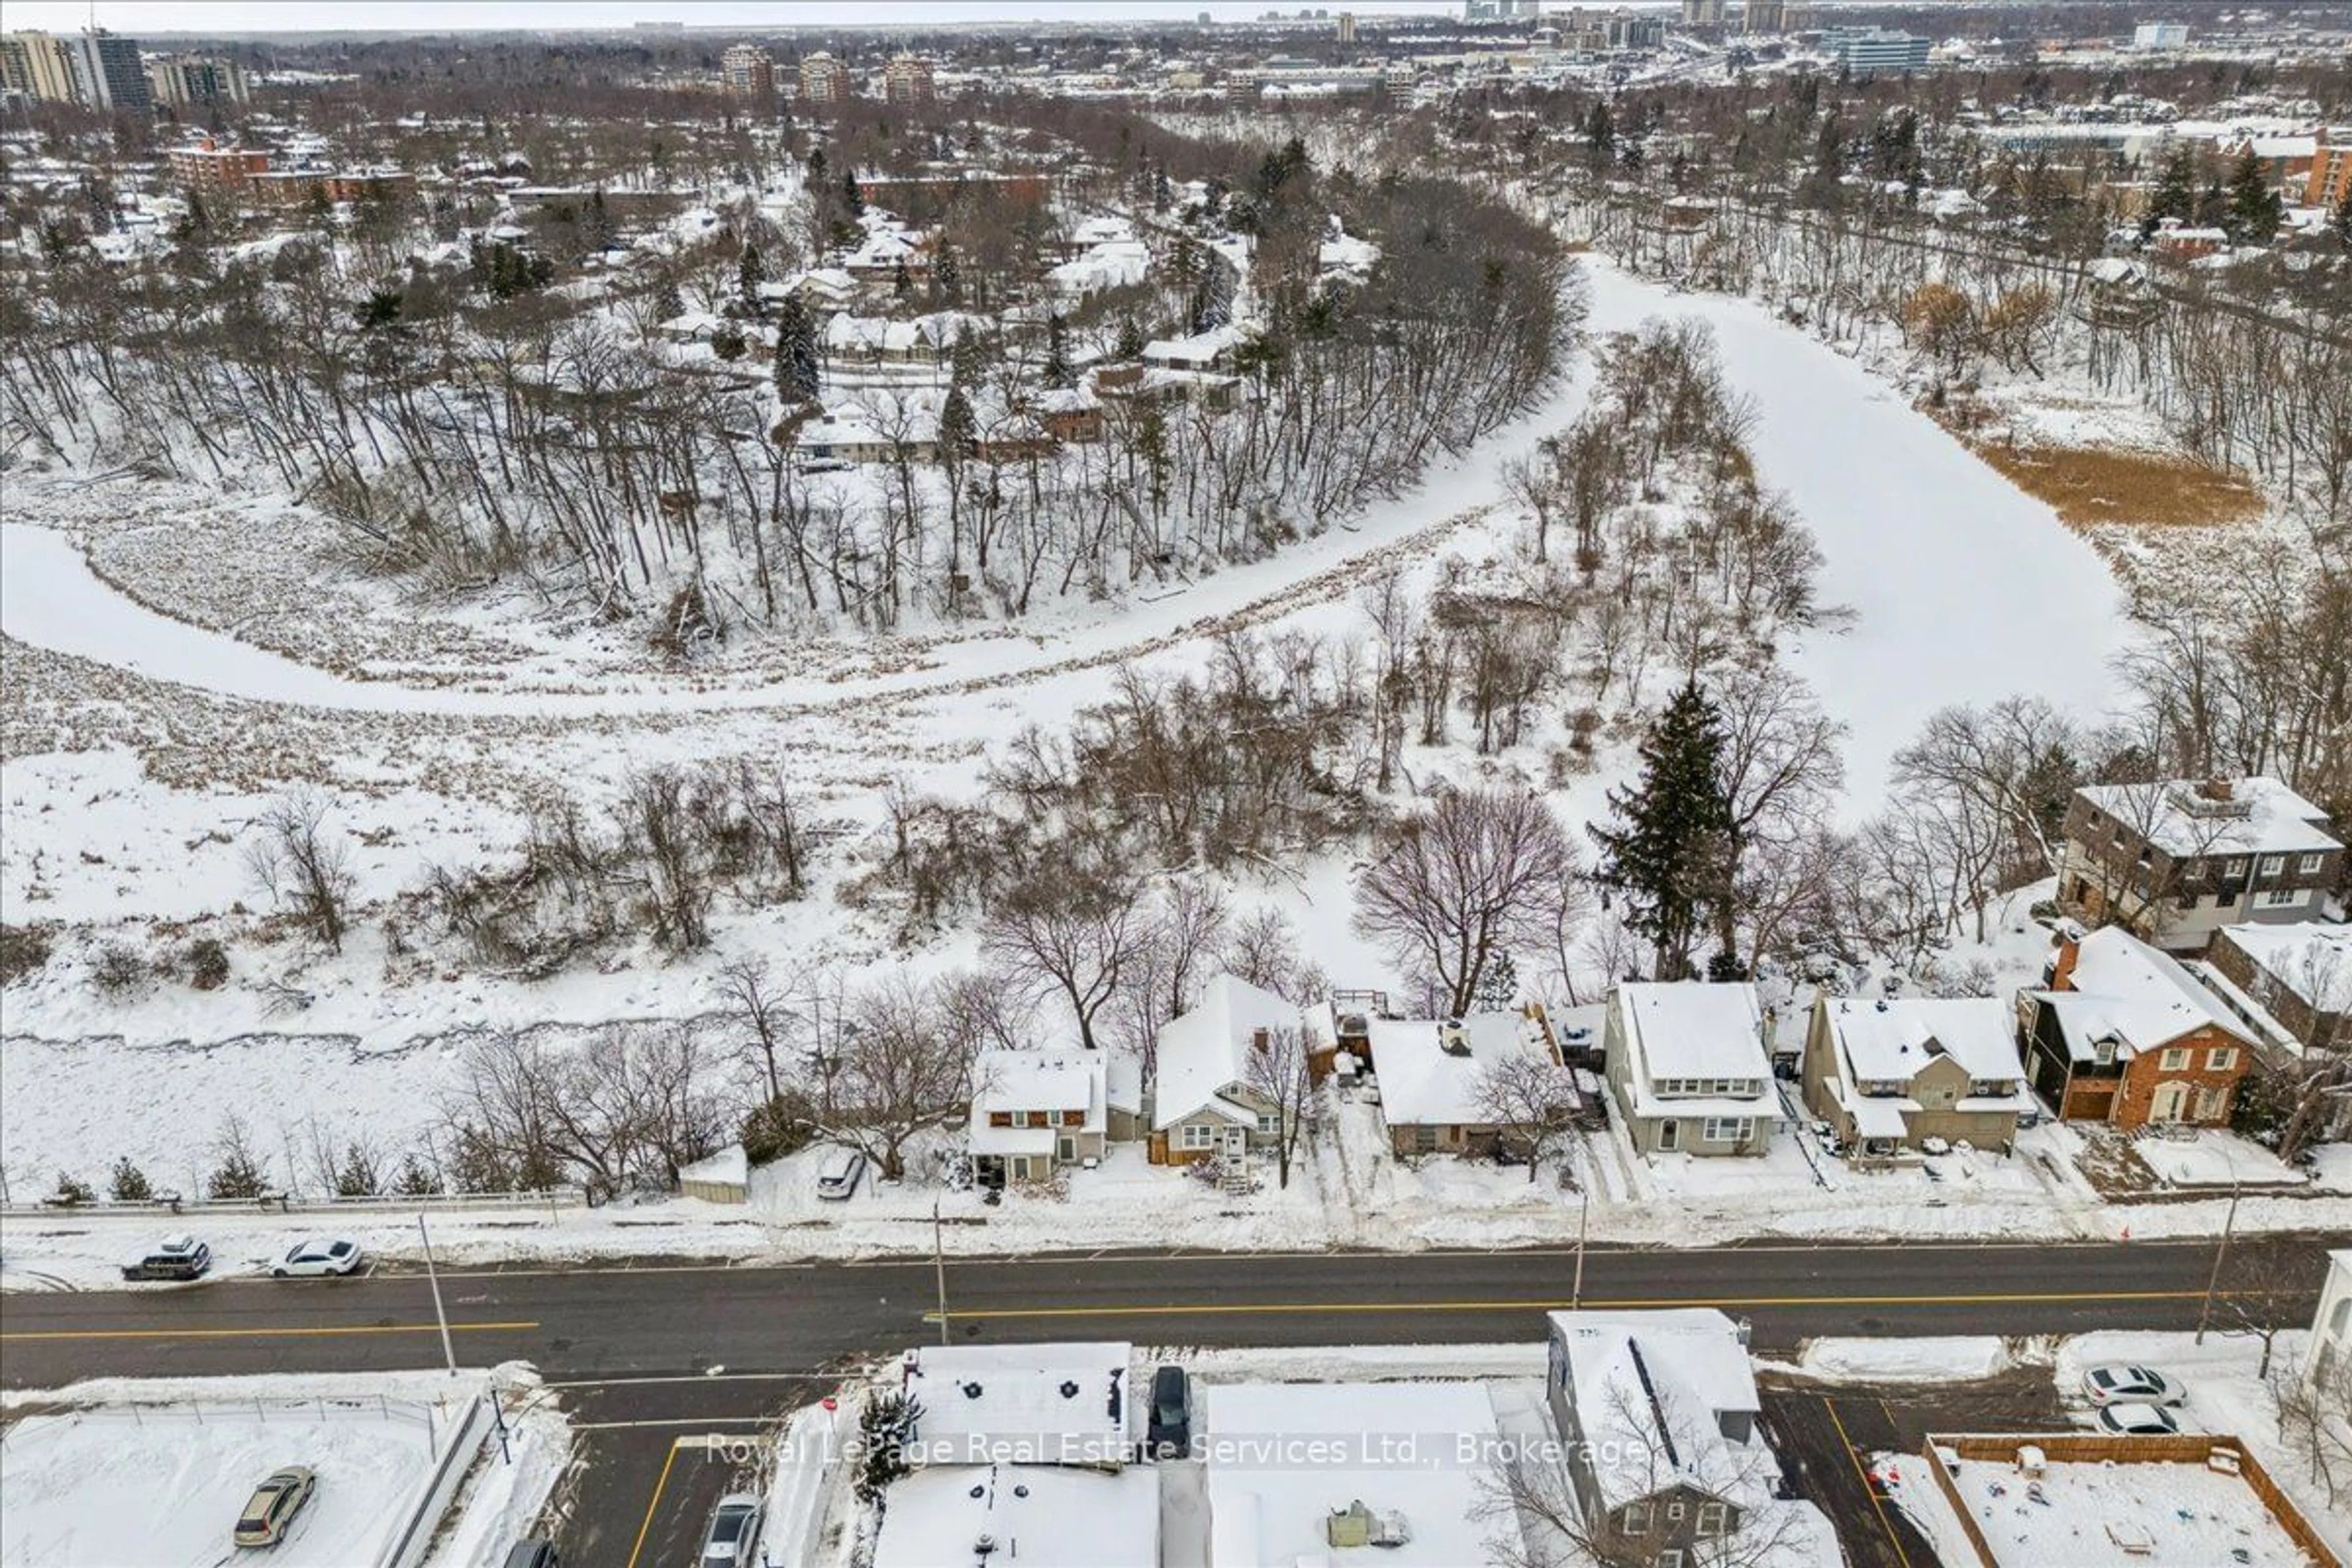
(191, 78)
(1347, 27)
(824, 79)
(1764, 17)
(109, 71)
(747, 70)
(907, 79)
(1701, 13)
(40, 66)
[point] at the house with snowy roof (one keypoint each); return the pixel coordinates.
(2123, 1033)
(1036, 1515)
(1687, 1065)
(1034, 1111)
(2178, 859)
(1201, 1101)
(2300, 974)
(1657, 1418)
(1889, 1074)
(1434, 1073)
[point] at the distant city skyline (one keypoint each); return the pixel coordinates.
(233, 17)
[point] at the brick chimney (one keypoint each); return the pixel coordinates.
(2062, 967)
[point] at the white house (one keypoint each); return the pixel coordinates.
(2331, 1326)
(1688, 1066)
(1202, 1104)
(1034, 1111)
(1657, 1414)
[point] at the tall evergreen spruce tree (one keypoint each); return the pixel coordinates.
(1662, 849)
(796, 373)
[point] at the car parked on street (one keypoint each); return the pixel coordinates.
(1169, 1434)
(839, 1175)
(2131, 1384)
(533, 1554)
(2138, 1420)
(270, 1513)
(734, 1531)
(173, 1258)
(320, 1256)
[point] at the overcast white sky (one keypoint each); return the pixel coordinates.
(229, 17)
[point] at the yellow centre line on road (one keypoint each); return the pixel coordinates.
(1560, 1304)
(653, 1504)
(1854, 1455)
(13, 1336)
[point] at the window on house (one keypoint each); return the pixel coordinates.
(1710, 1519)
(2310, 863)
(2221, 1059)
(2234, 866)
(1074, 1118)
(1675, 1510)
(2176, 1059)
(1637, 1519)
(1671, 1557)
(2279, 898)
(1196, 1135)
(2104, 1053)
(1269, 1125)
(2274, 864)
(1728, 1129)
(1000, 1118)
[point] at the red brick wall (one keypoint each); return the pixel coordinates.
(2146, 1075)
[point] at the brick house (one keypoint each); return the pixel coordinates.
(2177, 861)
(2301, 975)
(2124, 1034)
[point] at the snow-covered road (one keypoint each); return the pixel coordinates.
(1964, 589)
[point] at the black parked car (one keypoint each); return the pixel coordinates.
(174, 1258)
(1169, 1436)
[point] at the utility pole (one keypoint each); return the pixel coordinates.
(939, 1268)
(1583, 1214)
(433, 1278)
(2221, 1252)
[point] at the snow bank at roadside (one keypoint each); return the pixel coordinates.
(1957, 1359)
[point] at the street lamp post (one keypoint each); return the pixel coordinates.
(433, 1278)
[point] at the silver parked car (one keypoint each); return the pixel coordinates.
(2133, 1384)
(734, 1531)
(2138, 1420)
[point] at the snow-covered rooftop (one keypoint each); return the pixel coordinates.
(1424, 1083)
(1694, 1029)
(2126, 992)
(1651, 1390)
(1282, 1458)
(1206, 1051)
(2311, 959)
(1018, 1083)
(1037, 1516)
(1041, 1403)
(1893, 1038)
(2242, 816)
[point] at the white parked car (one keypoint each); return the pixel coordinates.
(2132, 1384)
(2138, 1420)
(838, 1177)
(321, 1255)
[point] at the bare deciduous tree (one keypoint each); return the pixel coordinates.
(1075, 933)
(1530, 1102)
(899, 1072)
(301, 864)
(1281, 1069)
(1480, 874)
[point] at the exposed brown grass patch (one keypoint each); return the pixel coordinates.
(2089, 484)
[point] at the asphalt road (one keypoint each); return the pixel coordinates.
(643, 1357)
(585, 1324)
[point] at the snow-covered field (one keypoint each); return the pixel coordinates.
(200, 1446)
(144, 731)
